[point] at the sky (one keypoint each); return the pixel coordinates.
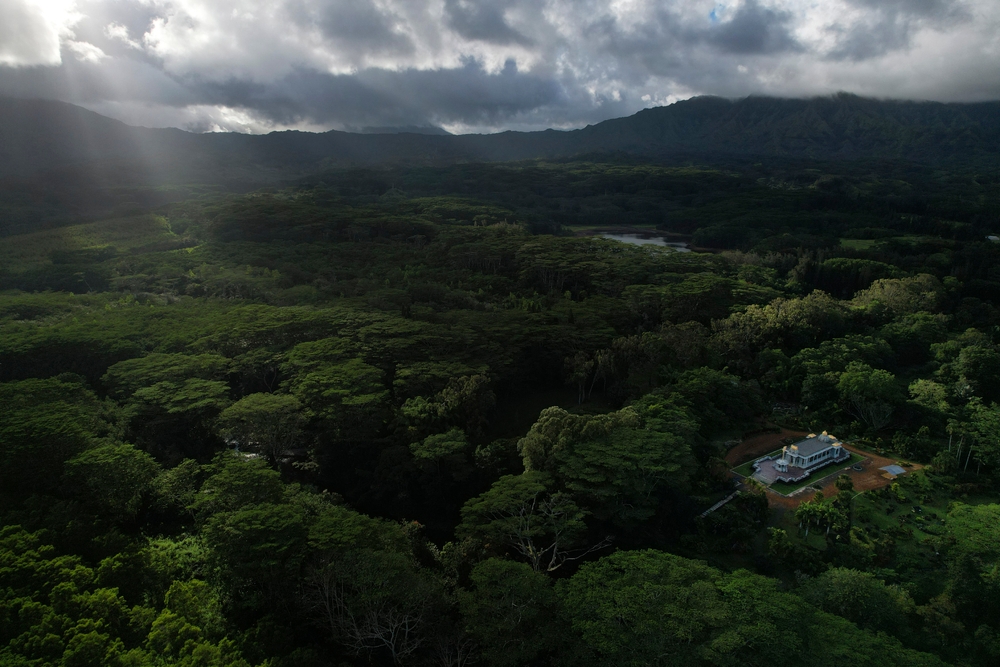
(480, 65)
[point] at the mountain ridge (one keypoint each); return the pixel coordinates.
(40, 135)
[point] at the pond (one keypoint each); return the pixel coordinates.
(641, 239)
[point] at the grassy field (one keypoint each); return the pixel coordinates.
(865, 244)
(858, 244)
(587, 228)
(106, 237)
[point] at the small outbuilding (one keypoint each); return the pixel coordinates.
(893, 471)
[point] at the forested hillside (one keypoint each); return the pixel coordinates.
(428, 415)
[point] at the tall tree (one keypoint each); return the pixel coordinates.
(519, 512)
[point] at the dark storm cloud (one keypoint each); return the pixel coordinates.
(358, 26)
(254, 65)
(377, 97)
(697, 54)
(754, 30)
(482, 20)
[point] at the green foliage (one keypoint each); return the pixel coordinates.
(116, 479)
(236, 481)
(861, 598)
(869, 394)
(192, 396)
(341, 391)
(650, 608)
(612, 463)
(52, 611)
(440, 445)
(257, 548)
(643, 608)
(520, 513)
(356, 339)
(976, 530)
(267, 423)
(512, 612)
(44, 422)
(128, 377)
(375, 602)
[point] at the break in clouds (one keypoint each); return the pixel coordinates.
(480, 65)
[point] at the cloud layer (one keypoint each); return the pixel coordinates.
(480, 65)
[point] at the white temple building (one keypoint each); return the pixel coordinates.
(814, 452)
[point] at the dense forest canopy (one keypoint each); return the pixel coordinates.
(428, 415)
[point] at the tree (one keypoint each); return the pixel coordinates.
(193, 395)
(266, 423)
(615, 464)
(258, 550)
(52, 611)
(901, 296)
(334, 385)
(440, 445)
(861, 598)
(520, 513)
(464, 402)
(644, 607)
(127, 377)
(930, 395)
(44, 422)
(510, 611)
(719, 401)
(979, 367)
(816, 512)
(116, 479)
(235, 481)
(844, 484)
(579, 369)
(984, 426)
(621, 476)
(652, 608)
(975, 540)
(556, 430)
(374, 601)
(869, 394)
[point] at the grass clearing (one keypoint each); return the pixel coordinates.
(866, 244)
(587, 228)
(858, 244)
(28, 251)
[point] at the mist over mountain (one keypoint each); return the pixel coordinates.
(38, 136)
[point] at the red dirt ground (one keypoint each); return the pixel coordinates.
(759, 445)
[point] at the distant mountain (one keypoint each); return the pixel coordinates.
(38, 136)
(407, 129)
